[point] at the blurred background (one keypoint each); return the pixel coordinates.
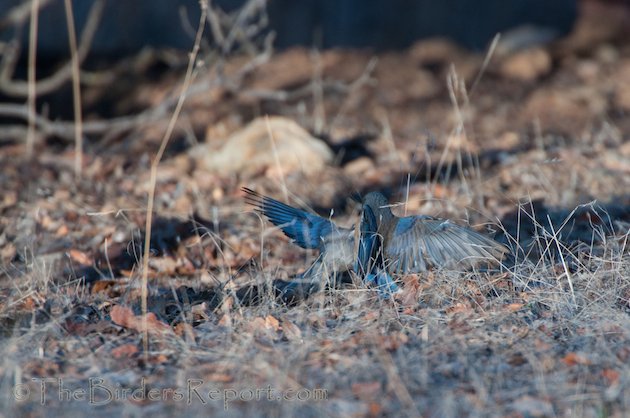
(127, 27)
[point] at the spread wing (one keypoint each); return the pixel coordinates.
(305, 229)
(420, 242)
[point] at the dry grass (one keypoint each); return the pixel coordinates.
(534, 340)
(546, 335)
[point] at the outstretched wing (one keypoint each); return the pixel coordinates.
(305, 229)
(420, 242)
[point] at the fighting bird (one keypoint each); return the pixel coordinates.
(335, 244)
(383, 245)
(389, 244)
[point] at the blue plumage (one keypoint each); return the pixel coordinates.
(383, 282)
(387, 244)
(305, 229)
(368, 244)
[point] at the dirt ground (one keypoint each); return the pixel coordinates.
(531, 146)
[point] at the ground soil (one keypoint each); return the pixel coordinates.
(532, 147)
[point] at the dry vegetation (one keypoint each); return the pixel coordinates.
(537, 150)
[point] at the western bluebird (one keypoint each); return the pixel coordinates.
(387, 244)
(413, 244)
(335, 244)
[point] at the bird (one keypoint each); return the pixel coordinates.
(383, 245)
(389, 244)
(335, 244)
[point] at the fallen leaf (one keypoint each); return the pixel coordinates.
(103, 285)
(515, 307)
(219, 377)
(393, 341)
(612, 376)
(411, 291)
(123, 316)
(272, 323)
(375, 409)
(9, 198)
(28, 303)
(160, 358)
(62, 231)
(126, 350)
(572, 358)
(367, 390)
(291, 331)
(458, 308)
(80, 257)
(517, 359)
(371, 316)
(8, 252)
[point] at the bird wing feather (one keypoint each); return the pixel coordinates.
(419, 242)
(306, 229)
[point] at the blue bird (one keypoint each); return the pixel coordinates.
(389, 244)
(335, 244)
(382, 246)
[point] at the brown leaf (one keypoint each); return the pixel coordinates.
(160, 358)
(257, 323)
(371, 316)
(517, 359)
(80, 257)
(393, 341)
(165, 265)
(272, 323)
(367, 390)
(8, 252)
(291, 331)
(411, 291)
(572, 358)
(46, 222)
(126, 350)
(458, 308)
(9, 198)
(28, 303)
(123, 316)
(219, 377)
(375, 409)
(515, 307)
(103, 285)
(612, 376)
(62, 231)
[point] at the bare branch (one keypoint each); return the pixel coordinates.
(76, 90)
(18, 15)
(32, 85)
(19, 88)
